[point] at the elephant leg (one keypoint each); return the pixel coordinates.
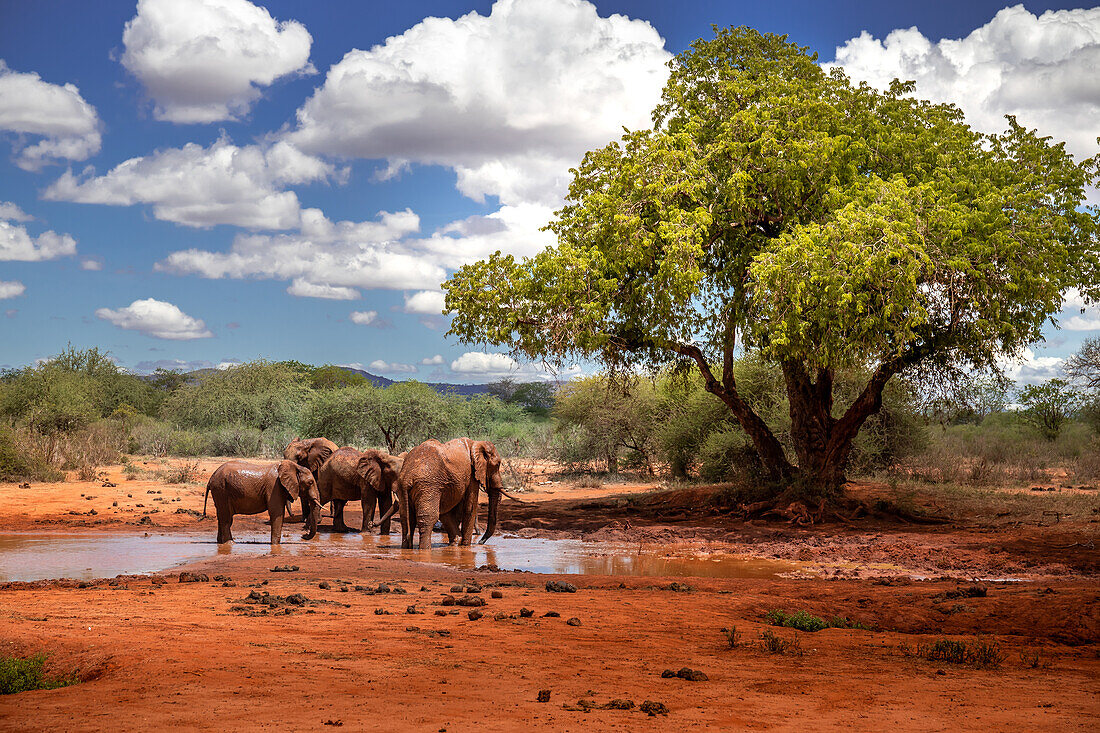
(450, 526)
(276, 525)
(425, 523)
(385, 501)
(470, 516)
(408, 524)
(368, 510)
(338, 516)
(225, 528)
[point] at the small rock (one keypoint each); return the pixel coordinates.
(544, 696)
(324, 585)
(470, 601)
(285, 569)
(678, 587)
(474, 615)
(457, 589)
(551, 614)
(448, 600)
(618, 704)
(573, 622)
(158, 580)
(501, 616)
(381, 612)
(473, 589)
(440, 612)
(383, 588)
(186, 577)
(653, 709)
(560, 586)
(496, 594)
(692, 675)
(668, 674)
(526, 613)
(412, 610)
(114, 503)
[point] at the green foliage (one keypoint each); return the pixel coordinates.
(1047, 407)
(772, 643)
(22, 460)
(611, 417)
(18, 674)
(978, 653)
(822, 225)
(805, 621)
(258, 395)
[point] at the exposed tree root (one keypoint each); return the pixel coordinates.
(801, 512)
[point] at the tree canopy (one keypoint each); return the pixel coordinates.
(781, 210)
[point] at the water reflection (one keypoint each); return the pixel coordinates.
(33, 556)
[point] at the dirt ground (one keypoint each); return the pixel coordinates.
(220, 654)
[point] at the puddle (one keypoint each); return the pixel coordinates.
(37, 556)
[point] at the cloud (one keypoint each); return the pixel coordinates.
(90, 264)
(1077, 315)
(378, 365)
(67, 125)
(364, 318)
(205, 60)
(11, 212)
(305, 289)
(1041, 68)
(432, 360)
(1027, 368)
(11, 289)
(16, 244)
(228, 364)
(322, 256)
(175, 365)
(203, 187)
(428, 302)
(481, 363)
(156, 318)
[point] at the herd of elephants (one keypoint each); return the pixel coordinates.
(433, 482)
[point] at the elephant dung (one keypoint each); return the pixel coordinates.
(560, 586)
(474, 615)
(544, 696)
(496, 594)
(653, 709)
(448, 600)
(470, 601)
(457, 589)
(186, 577)
(526, 613)
(573, 622)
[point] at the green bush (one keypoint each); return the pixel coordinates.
(728, 456)
(21, 674)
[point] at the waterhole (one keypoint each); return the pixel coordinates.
(83, 556)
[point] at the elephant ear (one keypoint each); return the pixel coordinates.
(318, 456)
(288, 477)
(481, 463)
(370, 470)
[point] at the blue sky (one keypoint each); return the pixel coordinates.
(223, 181)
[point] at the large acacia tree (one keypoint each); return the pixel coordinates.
(777, 208)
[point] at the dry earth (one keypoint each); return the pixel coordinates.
(198, 655)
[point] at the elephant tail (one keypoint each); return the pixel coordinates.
(204, 498)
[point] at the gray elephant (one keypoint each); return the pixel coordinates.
(239, 487)
(310, 453)
(365, 476)
(441, 482)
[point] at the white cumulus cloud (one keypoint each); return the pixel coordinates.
(385, 367)
(91, 264)
(323, 253)
(1077, 315)
(306, 289)
(11, 289)
(436, 360)
(482, 363)
(156, 318)
(364, 318)
(1029, 368)
(203, 186)
(64, 124)
(429, 302)
(1044, 69)
(206, 60)
(11, 212)
(16, 244)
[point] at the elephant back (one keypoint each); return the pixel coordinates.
(338, 477)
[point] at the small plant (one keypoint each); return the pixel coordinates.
(186, 472)
(19, 674)
(733, 637)
(805, 621)
(774, 644)
(1034, 659)
(131, 472)
(979, 653)
(88, 472)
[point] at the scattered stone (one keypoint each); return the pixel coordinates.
(412, 629)
(496, 594)
(285, 569)
(668, 674)
(457, 589)
(343, 589)
(412, 610)
(678, 587)
(470, 601)
(186, 577)
(473, 589)
(229, 584)
(448, 600)
(381, 612)
(383, 588)
(560, 586)
(551, 614)
(423, 588)
(145, 520)
(474, 615)
(324, 585)
(84, 584)
(114, 503)
(501, 616)
(526, 613)
(692, 675)
(336, 723)
(440, 612)
(618, 704)
(189, 512)
(158, 580)
(573, 622)
(544, 696)
(399, 589)
(653, 709)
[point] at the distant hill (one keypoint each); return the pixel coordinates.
(466, 390)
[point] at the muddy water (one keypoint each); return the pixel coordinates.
(37, 556)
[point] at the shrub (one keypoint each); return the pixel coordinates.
(21, 458)
(185, 472)
(733, 637)
(800, 620)
(773, 644)
(978, 653)
(21, 674)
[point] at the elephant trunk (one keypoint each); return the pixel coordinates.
(491, 525)
(312, 522)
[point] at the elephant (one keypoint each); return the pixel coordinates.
(310, 453)
(441, 481)
(239, 487)
(366, 476)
